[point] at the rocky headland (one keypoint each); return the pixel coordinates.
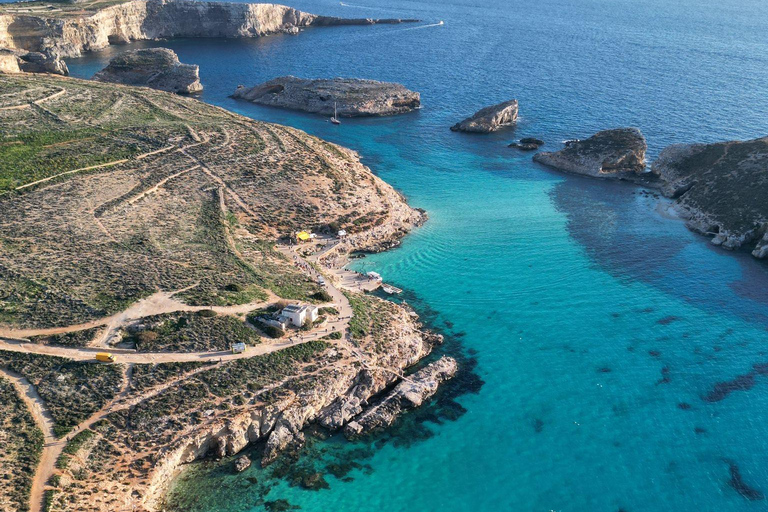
(617, 154)
(191, 203)
(720, 189)
(70, 29)
(158, 68)
(351, 97)
(489, 119)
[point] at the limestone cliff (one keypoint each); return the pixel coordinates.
(70, 32)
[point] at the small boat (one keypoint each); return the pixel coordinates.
(441, 22)
(335, 118)
(392, 290)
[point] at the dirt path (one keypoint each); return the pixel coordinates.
(52, 447)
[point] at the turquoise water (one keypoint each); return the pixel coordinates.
(600, 326)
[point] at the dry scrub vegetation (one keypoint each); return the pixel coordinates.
(146, 191)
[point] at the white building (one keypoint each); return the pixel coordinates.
(297, 314)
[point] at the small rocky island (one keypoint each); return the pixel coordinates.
(157, 68)
(351, 97)
(721, 190)
(489, 119)
(618, 153)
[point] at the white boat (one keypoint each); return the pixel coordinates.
(335, 118)
(392, 290)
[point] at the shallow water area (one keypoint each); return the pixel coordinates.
(612, 341)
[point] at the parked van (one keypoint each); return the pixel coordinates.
(105, 357)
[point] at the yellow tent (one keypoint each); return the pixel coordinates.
(302, 236)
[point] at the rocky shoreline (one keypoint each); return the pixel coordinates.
(347, 97)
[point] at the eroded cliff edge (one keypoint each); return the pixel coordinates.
(69, 30)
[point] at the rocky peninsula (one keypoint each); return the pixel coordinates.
(70, 29)
(617, 154)
(720, 189)
(157, 68)
(182, 221)
(489, 119)
(351, 97)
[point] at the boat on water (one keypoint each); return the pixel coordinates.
(335, 118)
(392, 290)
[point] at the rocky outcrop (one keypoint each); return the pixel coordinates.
(618, 153)
(22, 61)
(158, 68)
(489, 119)
(721, 190)
(242, 463)
(351, 97)
(411, 392)
(72, 30)
(527, 144)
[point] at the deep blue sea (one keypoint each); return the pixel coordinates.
(615, 346)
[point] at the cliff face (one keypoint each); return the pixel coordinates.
(721, 188)
(153, 19)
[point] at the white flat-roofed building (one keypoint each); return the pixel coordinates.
(297, 314)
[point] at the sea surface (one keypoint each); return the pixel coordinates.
(617, 349)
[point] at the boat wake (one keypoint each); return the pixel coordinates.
(355, 6)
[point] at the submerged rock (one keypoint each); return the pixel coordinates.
(411, 392)
(721, 190)
(489, 119)
(527, 144)
(353, 97)
(157, 68)
(618, 153)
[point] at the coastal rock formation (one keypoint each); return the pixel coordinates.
(411, 392)
(721, 190)
(352, 97)
(242, 463)
(22, 61)
(618, 153)
(72, 29)
(489, 119)
(527, 144)
(158, 68)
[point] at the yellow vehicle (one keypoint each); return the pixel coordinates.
(105, 357)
